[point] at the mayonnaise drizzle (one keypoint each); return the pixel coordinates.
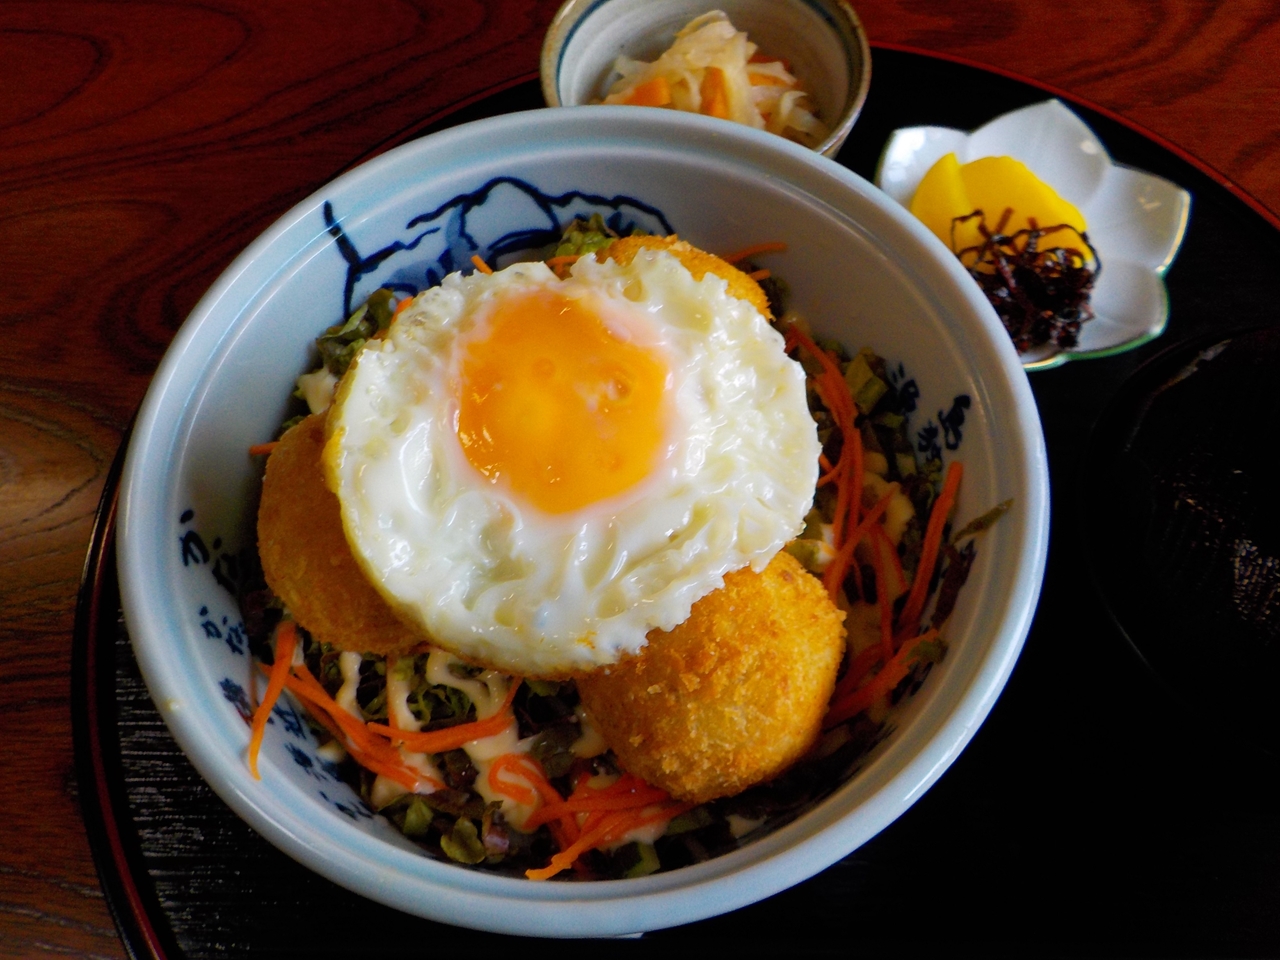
(349, 664)
(488, 691)
(590, 743)
(317, 389)
(399, 675)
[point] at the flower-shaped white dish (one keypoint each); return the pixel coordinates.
(498, 189)
(1136, 221)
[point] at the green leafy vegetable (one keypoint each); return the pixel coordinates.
(647, 861)
(462, 844)
(340, 343)
(585, 236)
(984, 522)
(552, 748)
(867, 388)
(417, 819)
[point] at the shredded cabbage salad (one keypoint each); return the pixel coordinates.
(714, 69)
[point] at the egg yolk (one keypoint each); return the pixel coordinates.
(554, 405)
(993, 185)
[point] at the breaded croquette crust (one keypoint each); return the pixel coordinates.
(698, 262)
(732, 696)
(305, 556)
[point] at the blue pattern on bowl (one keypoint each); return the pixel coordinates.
(443, 240)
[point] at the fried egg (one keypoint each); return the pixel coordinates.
(537, 472)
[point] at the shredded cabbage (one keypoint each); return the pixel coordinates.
(709, 69)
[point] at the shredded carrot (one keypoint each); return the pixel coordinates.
(602, 803)
(883, 601)
(836, 570)
(532, 785)
(861, 665)
(263, 449)
(401, 307)
(826, 465)
(566, 830)
(765, 80)
(409, 779)
(855, 468)
(559, 265)
(890, 675)
(909, 619)
(353, 729)
(849, 483)
(286, 641)
(610, 827)
(895, 562)
(759, 275)
(651, 93)
(451, 738)
(790, 339)
(538, 777)
(517, 764)
(588, 840)
(370, 753)
(847, 472)
(751, 251)
(628, 793)
(839, 400)
(714, 94)
(480, 264)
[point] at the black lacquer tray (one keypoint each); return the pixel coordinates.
(1100, 811)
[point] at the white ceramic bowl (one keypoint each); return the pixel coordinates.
(1135, 220)
(859, 267)
(823, 40)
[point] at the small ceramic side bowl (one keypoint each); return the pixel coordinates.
(858, 266)
(1135, 220)
(822, 40)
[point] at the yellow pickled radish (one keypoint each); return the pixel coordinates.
(991, 184)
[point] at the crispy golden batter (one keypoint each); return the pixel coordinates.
(733, 695)
(698, 262)
(305, 555)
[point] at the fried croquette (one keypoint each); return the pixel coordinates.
(305, 556)
(732, 696)
(698, 262)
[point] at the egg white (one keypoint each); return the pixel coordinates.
(491, 577)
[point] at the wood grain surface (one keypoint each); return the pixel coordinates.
(144, 144)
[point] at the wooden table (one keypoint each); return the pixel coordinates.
(143, 145)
